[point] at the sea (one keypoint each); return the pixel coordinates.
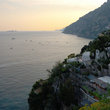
(25, 58)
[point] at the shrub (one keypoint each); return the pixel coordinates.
(99, 43)
(97, 106)
(56, 70)
(66, 93)
(99, 67)
(76, 64)
(71, 55)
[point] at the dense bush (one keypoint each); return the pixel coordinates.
(57, 70)
(71, 55)
(66, 93)
(99, 67)
(100, 43)
(97, 106)
(37, 101)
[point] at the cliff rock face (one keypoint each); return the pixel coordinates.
(91, 24)
(70, 82)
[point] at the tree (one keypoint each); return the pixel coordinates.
(66, 94)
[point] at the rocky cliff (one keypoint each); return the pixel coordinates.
(69, 84)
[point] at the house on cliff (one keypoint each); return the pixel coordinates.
(92, 90)
(101, 84)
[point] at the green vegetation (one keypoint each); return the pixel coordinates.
(102, 105)
(86, 73)
(71, 55)
(44, 95)
(37, 97)
(99, 67)
(76, 64)
(86, 89)
(99, 43)
(66, 93)
(57, 71)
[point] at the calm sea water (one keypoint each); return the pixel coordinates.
(25, 57)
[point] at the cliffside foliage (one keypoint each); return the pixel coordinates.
(66, 93)
(100, 43)
(102, 105)
(53, 93)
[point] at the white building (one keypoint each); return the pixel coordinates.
(105, 79)
(101, 84)
(97, 54)
(100, 54)
(86, 56)
(70, 60)
(103, 55)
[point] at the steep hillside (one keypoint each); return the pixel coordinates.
(77, 80)
(91, 24)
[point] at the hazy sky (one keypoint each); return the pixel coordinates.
(43, 14)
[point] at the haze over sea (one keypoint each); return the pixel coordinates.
(25, 57)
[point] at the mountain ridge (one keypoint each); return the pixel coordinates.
(91, 24)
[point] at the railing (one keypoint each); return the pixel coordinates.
(91, 99)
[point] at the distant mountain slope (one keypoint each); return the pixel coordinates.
(91, 24)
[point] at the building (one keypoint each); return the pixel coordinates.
(70, 60)
(97, 54)
(100, 84)
(105, 79)
(96, 85)
(86, 56)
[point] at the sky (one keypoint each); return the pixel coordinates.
(38, 15)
